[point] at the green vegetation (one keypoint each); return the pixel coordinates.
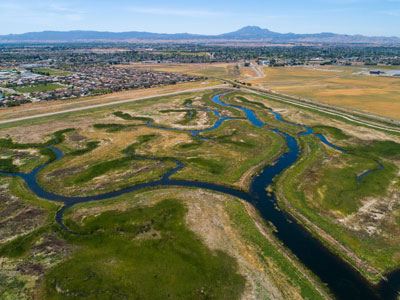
(207, 99)
(6, 165)
(90, 146)
(188, 102)
(101, 91)
(377, 149)
(22, 244)
(104, 167)
(104, 174)
(125, 255)
(280, 269)
(189, 117)
(233, 148)
(110, 127)
(259, 104)
(336, 133)
(211, 166)
(141, 140)
(312, 188)
(43, 87)
(128, 117)
(51, 72)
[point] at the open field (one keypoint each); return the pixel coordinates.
(216, 70)
(52, 72)
(35, 109)
(216, 218)
(129, 141)
(377, 95)
(39, 88)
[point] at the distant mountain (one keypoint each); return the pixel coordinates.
(249, 33)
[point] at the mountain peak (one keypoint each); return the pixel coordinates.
(252, 29)
(252, 32)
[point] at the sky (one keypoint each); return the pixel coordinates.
(367, 17)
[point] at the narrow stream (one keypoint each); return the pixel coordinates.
(342, 279)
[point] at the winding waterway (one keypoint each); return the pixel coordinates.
(342, 279)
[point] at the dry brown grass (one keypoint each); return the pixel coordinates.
(377, 95)
(53, 106)
(247, 72)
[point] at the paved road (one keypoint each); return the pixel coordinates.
(345, 116)
(107, 104)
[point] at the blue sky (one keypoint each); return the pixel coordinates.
(368, 17)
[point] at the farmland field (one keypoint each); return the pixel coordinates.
(337, 86)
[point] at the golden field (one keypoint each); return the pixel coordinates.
(340, 86)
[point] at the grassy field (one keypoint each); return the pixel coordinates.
(52, 72)
(230, 228)
(355, 213)
(377, 95)
(218, 70)
(40, 88)
(153, 248)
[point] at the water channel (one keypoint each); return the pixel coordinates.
(342, 279)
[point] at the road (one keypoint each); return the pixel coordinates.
(107, 104)
(332, 112)
(260, 73)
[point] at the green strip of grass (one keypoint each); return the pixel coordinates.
(377, 149)
(110, 127)
(128, 117)
(21, 245)
(277, 263)
(212, 166)
(6, 165)
(90, 146)
(104, 167)
(39, 88)
(336, 133)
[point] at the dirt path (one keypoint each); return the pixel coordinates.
(258, 71)
(108, 104)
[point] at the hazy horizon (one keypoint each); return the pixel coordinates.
(365, 17)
